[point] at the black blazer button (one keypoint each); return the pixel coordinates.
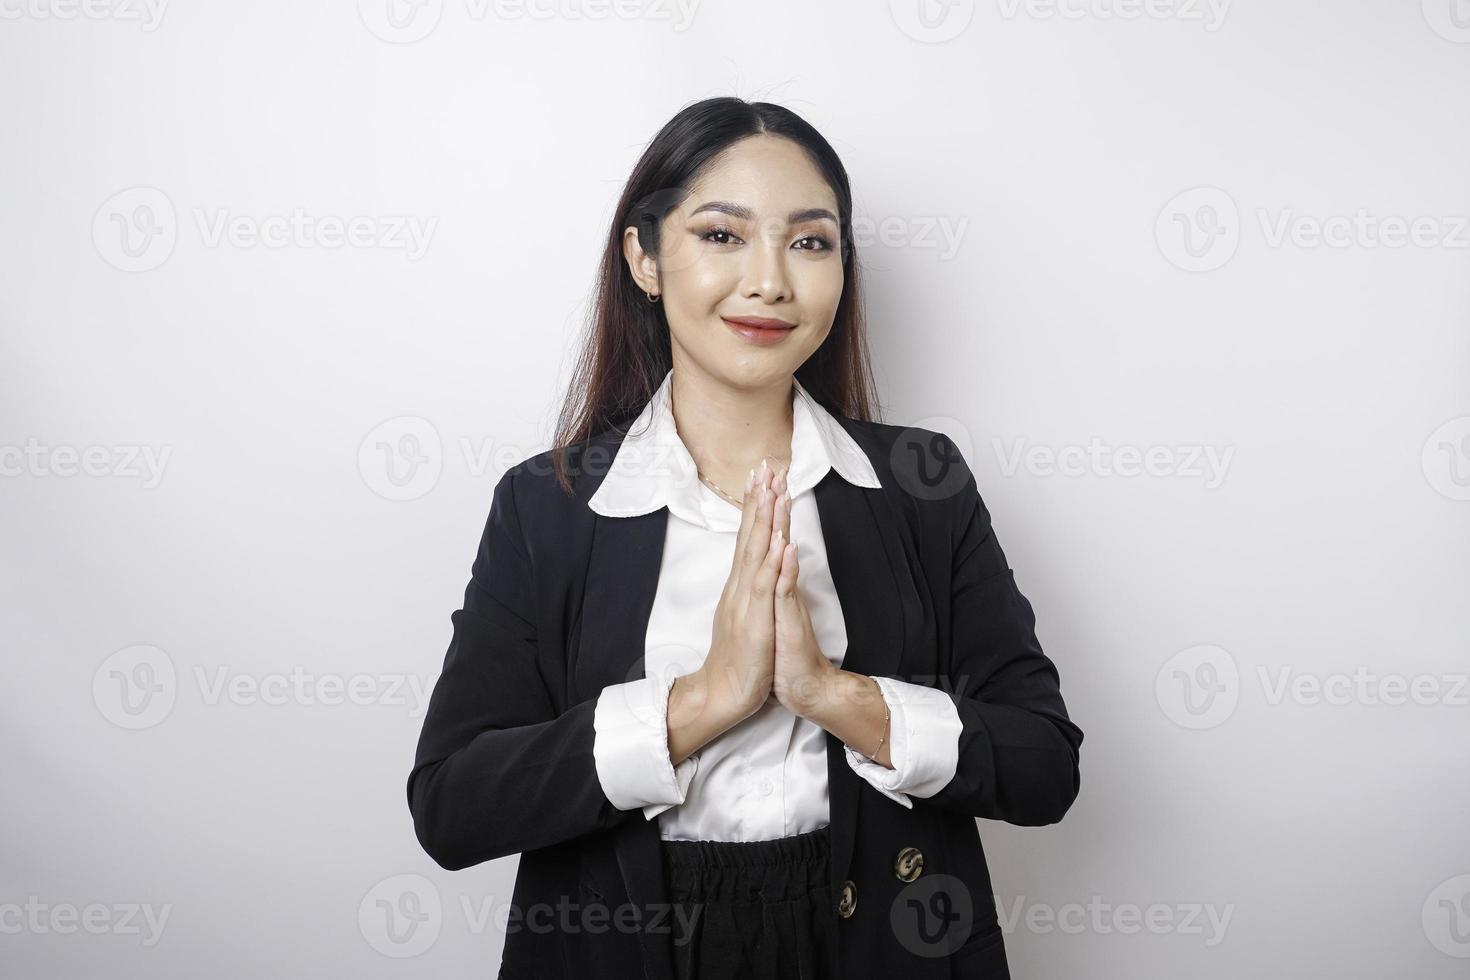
(909, 864)
(848, 902)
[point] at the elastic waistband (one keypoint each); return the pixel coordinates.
(808, 848)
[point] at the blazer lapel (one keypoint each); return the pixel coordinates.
(622, 578)
(862, 552)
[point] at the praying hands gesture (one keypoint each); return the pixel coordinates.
(802, 671)
(763, 643)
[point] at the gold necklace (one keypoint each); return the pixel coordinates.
(737, 501)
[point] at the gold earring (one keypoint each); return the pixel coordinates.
(652, 298)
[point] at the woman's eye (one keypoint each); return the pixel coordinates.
(724, 236)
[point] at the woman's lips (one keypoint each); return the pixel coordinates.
(759, 330)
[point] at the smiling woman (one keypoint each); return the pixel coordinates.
(729, 613)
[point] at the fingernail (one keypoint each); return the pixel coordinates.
(750, 480)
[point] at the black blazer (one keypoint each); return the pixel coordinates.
(557, 608)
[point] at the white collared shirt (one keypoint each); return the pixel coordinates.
(767, 776)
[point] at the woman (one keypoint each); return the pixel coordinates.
(737, 666)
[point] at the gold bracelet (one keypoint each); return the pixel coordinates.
(884, 737)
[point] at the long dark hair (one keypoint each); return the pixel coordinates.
(626, 352)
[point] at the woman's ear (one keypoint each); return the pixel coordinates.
(642, 265)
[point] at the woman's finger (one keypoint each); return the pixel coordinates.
(758, 541)
(784, 522)
(747, 521)
(786, 580)
(763, 585)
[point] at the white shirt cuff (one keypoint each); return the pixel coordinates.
(923, 743)
(631, 747)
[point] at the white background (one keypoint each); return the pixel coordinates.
(1170, 226)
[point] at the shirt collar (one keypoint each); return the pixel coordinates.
(653, 468)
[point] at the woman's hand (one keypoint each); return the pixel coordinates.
(804, 677)
(739, 671)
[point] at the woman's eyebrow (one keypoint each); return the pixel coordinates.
(745, 214)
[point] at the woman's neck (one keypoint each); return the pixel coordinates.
(728, 430)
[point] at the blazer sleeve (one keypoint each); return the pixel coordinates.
(1018, 749)
(498, 770)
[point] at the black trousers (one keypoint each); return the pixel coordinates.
(756, 909)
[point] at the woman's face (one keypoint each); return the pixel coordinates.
(757, 237)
